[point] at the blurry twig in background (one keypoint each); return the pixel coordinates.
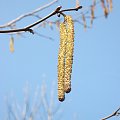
(34, 108)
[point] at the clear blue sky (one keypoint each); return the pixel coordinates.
(96, 67)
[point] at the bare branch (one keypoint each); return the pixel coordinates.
(116, 113)
(28, 28)
(44, 36)
(27, 14)
(86, 11)
(72, 9)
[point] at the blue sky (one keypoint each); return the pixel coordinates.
(96, 66)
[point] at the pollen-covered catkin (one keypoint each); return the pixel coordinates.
(69, 53)
(61, 62)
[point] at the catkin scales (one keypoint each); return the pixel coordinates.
(65, 57)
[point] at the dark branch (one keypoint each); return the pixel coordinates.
(28, 28)
(116, 113)
(9, 24)
(72, 9)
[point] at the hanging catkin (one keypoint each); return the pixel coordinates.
(65, 57)
(11, 44)
(61, 62)
(111, 6)
(69, 53)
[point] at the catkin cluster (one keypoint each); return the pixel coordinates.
(65, 57)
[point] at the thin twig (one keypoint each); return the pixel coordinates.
(28, 28)
(44, 36)
(72, 9)
(116, 113)
(27, 14)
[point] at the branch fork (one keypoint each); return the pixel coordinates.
(28, 28)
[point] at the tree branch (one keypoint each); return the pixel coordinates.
(27, 14)
(72, 9)
(28, 28)
(116, 113)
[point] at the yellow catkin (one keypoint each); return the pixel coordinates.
(61, 62)
(69, 53)
(11, 44)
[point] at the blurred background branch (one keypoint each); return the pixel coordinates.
(37, 107)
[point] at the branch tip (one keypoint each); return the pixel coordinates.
(30, 30)
(79, 7)
(58, 8)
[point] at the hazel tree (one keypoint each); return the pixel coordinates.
(65, 56)
(85, 17)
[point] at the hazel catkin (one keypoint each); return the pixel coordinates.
(69, 53)
(61, 62)
(65, 57)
